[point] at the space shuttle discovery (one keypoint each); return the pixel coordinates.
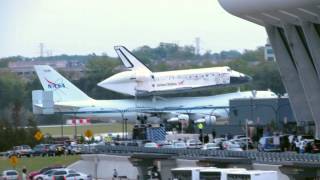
(140, 81)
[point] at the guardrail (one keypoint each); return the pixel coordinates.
(254, 156)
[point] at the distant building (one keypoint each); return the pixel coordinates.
(25, 69)
(268, 52)
(261, 114)
(261, 111)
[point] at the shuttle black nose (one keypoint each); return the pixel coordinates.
(240, 79)
(248, 78)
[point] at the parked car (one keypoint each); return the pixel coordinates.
(310, 146)
(78, 176)
(9, 175)
(194, 144)
(210, 146)
(42, 150)
(151, 145)
(305, 137)
(47, 175)
(267, 144)
(32, 174)
(180, 145)
(239, 136)
(243, 142)
(231, 145)
(23, 150)
(68, 174)
(167, 146)
(74, 149)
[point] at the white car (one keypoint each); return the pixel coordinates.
(239, 136)
(9, 175)
(78, 176)
(69, 174)
(151, 145)
(231, 146)
(179, 145)
(45, 175)
(194, 143)
(210, 146)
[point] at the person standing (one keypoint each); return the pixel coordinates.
(24, 174)
(115, 174)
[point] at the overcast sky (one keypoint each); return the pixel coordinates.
(95, 26)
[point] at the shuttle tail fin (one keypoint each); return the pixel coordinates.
(63, 90)
(129, 60)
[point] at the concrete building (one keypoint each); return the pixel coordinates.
(262, 114)
(25, 69)
(293, 27)
(268, 52)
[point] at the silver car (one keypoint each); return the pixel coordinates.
(9, 175)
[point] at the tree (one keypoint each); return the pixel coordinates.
(267, 76)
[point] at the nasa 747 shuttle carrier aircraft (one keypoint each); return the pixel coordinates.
(61, 96)
(140, 81)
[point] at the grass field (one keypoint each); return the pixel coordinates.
(36, 163)
(95, 128)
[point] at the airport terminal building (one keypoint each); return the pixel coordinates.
(263, 117)
(293, 27)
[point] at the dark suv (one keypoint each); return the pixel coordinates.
(43, 150)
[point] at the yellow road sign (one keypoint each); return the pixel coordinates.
(88, 133)
(200, 126)
(38, 136)
(108, 139)
(13, 160)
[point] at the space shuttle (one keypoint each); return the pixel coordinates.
(141, 81)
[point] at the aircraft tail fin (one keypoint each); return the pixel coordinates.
(129, 60)
(63, 90)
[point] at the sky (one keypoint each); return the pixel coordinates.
(94, 26)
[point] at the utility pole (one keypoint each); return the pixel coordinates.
(41, 46)
(247, 138)
(197, 40)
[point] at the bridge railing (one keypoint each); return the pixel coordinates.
(254, 156)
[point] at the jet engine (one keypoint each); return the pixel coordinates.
(179, 118)
(208, 120)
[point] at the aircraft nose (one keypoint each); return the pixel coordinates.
(248, 78)
(240, 79)
(107, 82)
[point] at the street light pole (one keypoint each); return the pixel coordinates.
(247, 142)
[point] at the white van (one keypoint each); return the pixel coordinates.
(252, 175)
(212, 173)
(202, 173)
(186, 173)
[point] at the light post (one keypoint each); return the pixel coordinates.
(247, 136)
(121, 112)
(247, 133)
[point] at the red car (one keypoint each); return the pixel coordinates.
(34, 173)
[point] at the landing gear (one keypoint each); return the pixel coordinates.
(142, 119)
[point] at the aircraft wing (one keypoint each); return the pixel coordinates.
(195, 114)
(169, 90)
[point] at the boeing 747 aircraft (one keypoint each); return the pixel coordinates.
(140, 81)
(61, 96)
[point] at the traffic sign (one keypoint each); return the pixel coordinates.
(200, 126)
(38, 136)
(13, 160)
(88, 133)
